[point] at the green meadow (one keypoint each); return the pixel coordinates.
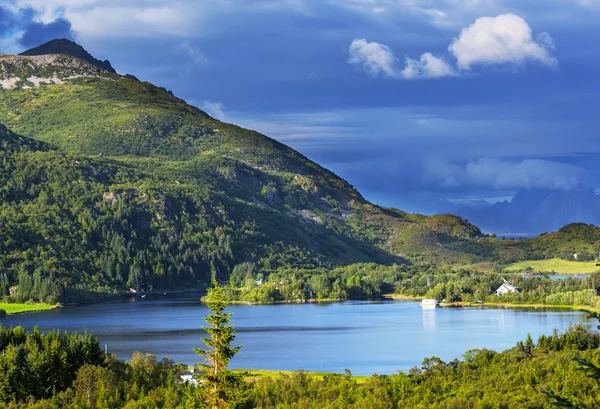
(557, 265)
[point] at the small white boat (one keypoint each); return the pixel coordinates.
(429, 303)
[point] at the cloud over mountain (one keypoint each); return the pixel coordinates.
(22, 28)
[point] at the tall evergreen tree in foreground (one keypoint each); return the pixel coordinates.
(219, 385)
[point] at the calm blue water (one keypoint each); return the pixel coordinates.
(561, 276)
(365, 337)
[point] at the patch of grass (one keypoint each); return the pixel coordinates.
(256, 374)
(557, 265)
(11, 308)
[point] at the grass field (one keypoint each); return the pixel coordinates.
(255, 374)
(18, 308)
(557, 265)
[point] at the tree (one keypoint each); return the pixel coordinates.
(587, 367)
(529, 345)
(218, 383)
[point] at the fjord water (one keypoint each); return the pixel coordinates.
(365, 337)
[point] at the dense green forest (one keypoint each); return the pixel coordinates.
(108, 183)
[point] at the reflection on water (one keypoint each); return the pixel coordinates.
(429, 317)
(365, 337)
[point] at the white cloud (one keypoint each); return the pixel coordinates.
(129, 21)
(379, 59)
(214, 109)
(197, 56)
(428, 66)
(506, 38)
(500, 174)
(375, 58)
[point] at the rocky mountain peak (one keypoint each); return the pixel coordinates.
(68, 47)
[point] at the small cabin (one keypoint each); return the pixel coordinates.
(507, 288)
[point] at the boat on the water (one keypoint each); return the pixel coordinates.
(429, 303)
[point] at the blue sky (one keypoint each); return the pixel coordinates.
(406, 99)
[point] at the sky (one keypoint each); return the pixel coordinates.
(408, 100)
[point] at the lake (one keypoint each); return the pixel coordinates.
(555, 277)
(363, 336)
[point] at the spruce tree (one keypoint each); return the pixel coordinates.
(218, 384)
(529, 345)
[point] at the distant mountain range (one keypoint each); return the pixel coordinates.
(532, 212)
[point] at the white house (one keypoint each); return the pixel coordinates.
(188, 377)
(506, 288)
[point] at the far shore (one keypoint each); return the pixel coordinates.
(309, 301)
(496, 304)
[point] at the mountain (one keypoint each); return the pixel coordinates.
(68, 47)
(532, 212)
(132, 187)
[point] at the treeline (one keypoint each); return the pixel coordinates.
(474, 286)
(528, 375)
(248, 283)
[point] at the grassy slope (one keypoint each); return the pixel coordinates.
(557, 265)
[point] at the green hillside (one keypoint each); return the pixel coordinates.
(564, 244)
(110, 183)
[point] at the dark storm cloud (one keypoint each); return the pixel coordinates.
(34, 32)
(39, 33)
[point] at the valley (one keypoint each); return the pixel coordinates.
(121, 205)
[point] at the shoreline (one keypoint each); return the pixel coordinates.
(309, 301)
(20, 308)
(484, 304)
(584, 308)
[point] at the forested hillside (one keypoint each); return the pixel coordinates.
(110, 183)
